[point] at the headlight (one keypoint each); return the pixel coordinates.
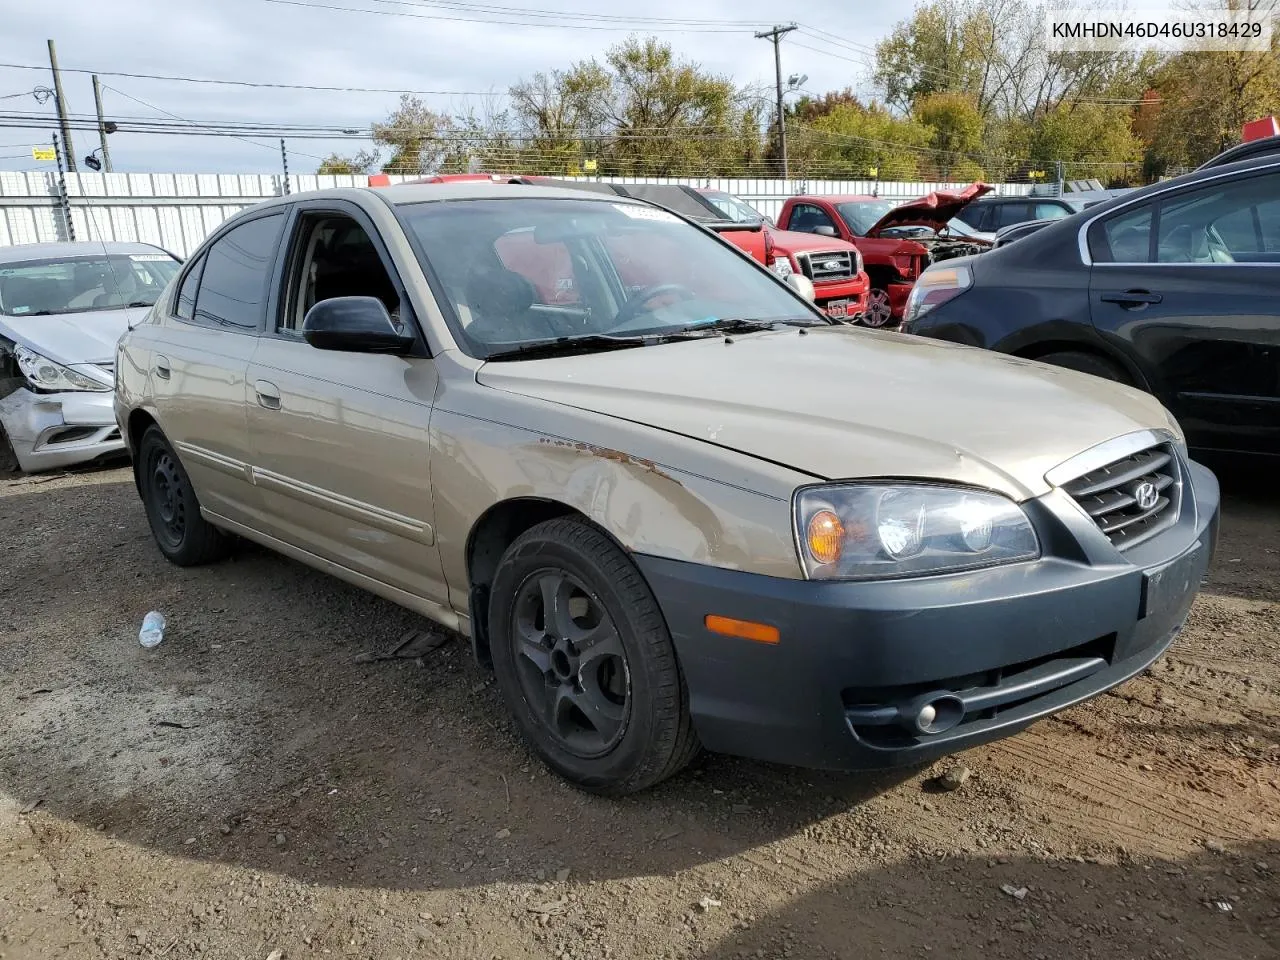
(936, 286)
(781, 266)
(43, 374)
(867, 531)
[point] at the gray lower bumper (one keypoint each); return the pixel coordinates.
(52, 430)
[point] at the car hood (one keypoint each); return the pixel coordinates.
(932, 210)
(838, 403)
(71, 338)
(794, 241)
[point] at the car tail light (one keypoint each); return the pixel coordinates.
(768, 248)
(936, 286)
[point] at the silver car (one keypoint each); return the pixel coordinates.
(63, 306)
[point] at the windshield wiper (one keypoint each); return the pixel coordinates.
(587, 343)
(749, 324)
(142, 303)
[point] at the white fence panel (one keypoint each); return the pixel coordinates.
(178, 210)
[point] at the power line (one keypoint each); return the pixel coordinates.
(489, 8)
(508, 22)
(255, 84)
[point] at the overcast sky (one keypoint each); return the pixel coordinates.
(264, 41)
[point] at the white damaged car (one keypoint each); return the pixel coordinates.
(63, 306)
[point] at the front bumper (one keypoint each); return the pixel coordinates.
(52, 430)
(856, 659)
(853, 290)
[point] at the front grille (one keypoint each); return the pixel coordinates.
(826, 267)
(1132, 499)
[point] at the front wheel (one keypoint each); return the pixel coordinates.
(182, 534)
(585, 662)
(879, 309)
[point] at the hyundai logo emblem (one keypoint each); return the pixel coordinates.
(1146, 494)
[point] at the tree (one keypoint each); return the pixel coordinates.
(852, 140)
(642, 111)
(419, 137)
(359, 163)
(1091, 139)
(957, 133)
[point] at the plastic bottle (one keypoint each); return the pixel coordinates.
(152, 631)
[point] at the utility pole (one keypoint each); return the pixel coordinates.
(63, 199)
(102, 126)
(62, 108)
(776, 35)
(284, 162)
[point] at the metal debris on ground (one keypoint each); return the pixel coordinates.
(413, 644)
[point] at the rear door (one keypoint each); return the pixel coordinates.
(339, 439)
(1190, 282)
(199, 362)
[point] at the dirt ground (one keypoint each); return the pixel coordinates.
(255, 788)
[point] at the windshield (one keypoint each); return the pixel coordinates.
(83, 284)
(522, 271)
(862, 215)
(739, 211)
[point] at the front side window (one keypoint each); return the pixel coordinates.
(233, 284)
(1221, 223)
(636, 271)
(1008, 214)
(862, 215)
(84, 284)
(806, 218)
(186, 305)
(334, 256)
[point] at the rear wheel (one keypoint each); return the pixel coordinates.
(181, 533)
(1087, 363)
(879, 309)
(584, 660)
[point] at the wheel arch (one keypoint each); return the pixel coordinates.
(1043, 348)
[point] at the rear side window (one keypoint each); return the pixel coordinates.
(1050, 211)
(1010, 213)
(186, 307)
(1128, 237)
(233, 283)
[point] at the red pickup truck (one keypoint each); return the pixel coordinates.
(839, 283)
(896, 242)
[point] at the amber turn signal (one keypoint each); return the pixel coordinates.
(824, 536)
(743, 629)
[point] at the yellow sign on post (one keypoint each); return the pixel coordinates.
(43, 153)
(589, 166)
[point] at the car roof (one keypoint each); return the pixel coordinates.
(22, 252)
(839, 197)
(1250, 149)
(407, 193)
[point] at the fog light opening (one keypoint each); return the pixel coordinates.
(937, 713)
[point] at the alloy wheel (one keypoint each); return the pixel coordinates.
(571, 662)
(879, 311)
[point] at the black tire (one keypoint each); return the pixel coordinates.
(1087, 363)
(623, 670)
(182, 534)
(8, 459)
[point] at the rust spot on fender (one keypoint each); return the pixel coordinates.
(608, 453)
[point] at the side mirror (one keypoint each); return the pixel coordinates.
(801, 285)
(825, 230)
(354, 324)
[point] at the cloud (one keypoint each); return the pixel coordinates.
(260, 41)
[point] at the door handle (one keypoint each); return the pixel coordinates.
(162, 367)
(1132, 299)
(268, 394)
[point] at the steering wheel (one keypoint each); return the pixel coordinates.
(633, 307)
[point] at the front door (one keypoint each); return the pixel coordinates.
(340, 441)
(1190, 281)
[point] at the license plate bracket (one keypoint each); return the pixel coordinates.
(838, 309)
(1168, 590)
